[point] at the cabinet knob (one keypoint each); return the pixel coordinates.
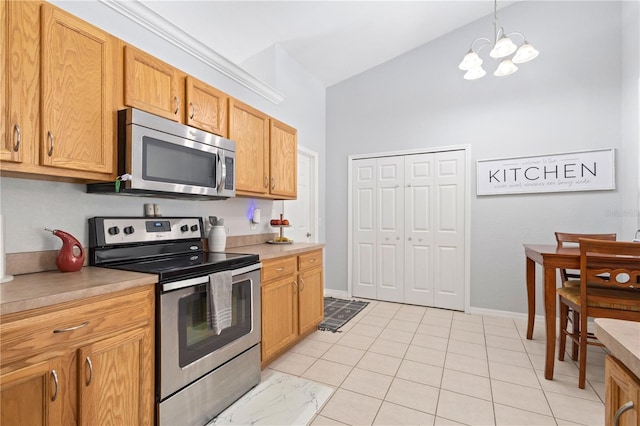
(16, 147)
(90, 365)
(54, 376)
(51, 143)
(176, 101)
(625, 407)
(409, 238)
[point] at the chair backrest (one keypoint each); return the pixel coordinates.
(565, 238)
(615, 265)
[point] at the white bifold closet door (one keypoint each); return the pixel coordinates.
(408, 228)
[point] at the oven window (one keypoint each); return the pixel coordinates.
(196, 338)
(168, 162)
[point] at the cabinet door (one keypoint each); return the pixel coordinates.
(310, 300)
(279, 315)
(621, 387)
(115, 379)
(284, 160)
(206, 107)
(19, 80)
(77, 105)
(249, 129)
(151, 85)
(32, 395)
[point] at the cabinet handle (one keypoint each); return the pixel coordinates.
(54, 375)
(302, 286)
(192, 110)
(295, 287)
(280, 269)
(177, 103)
(63, 330)
(16, 147)
(88, 362)
(625, 407)
(312, 260)
(266, 181)
(273, 183)
(51, 143)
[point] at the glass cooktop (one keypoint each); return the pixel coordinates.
(184, 266)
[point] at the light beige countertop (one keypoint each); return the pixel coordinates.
(271, 251)
(37, 290)
(622, 338)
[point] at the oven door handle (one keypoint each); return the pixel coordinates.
(205, 279)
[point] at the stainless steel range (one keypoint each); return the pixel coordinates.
(198, 372)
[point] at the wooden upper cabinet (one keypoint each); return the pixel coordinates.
(206, 107)
(284, 160)
(249, 129)
(19, 80)
(151, 85)
(77, 116)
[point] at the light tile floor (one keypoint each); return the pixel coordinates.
(396, 364)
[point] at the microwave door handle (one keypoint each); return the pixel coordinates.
(223, 179)
(218, 172)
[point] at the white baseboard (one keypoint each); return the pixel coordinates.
(340, 294)
(503, 314)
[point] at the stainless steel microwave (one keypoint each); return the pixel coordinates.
(158, 157)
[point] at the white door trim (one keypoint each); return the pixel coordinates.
(467, 212)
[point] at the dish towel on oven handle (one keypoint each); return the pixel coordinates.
(219, 301)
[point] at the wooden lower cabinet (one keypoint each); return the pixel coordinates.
(86, 362)
(279, 309)
(621, 387)
(292, 301)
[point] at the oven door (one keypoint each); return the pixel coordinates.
(188, 348)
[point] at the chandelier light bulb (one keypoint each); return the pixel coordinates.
(506, 67)
(475, 73)
(525, 53)
(504, 47)
(470, 60)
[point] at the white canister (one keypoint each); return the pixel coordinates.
(218, 238)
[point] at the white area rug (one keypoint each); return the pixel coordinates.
(279, 399)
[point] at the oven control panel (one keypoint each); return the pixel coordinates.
(127, 230)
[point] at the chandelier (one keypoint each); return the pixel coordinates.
(502, 48)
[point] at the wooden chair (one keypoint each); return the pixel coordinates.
(571, 278)
(615, 267)
(563, 239)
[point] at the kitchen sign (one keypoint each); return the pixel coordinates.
(575, 171)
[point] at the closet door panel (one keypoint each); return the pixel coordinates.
(364, 228)
(449, 235)
(418, 219)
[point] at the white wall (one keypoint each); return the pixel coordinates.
(30, 205)
(568, 99)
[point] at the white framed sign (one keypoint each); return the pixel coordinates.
(575, 171)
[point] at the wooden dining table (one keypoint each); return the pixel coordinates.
(551, 258)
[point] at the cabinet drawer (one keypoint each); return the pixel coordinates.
(310, 260)
(276, 268)
(51, 329)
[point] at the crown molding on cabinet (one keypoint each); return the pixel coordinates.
(147, 18)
